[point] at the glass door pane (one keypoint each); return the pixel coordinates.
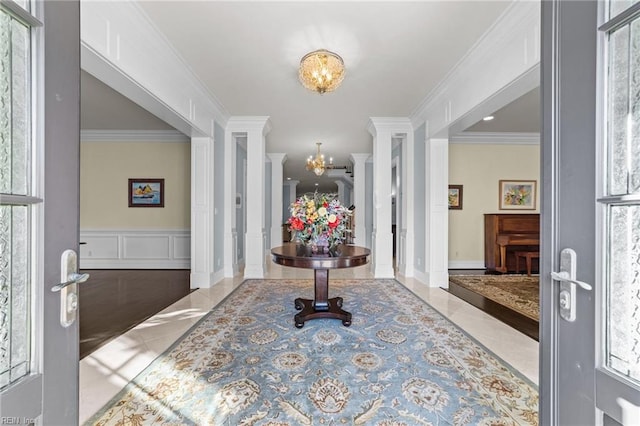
(14, 293)
(621, 201)
(623, 295)
(15, 184)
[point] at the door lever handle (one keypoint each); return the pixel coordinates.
(564, 276)
(74, 278)
(567, 298)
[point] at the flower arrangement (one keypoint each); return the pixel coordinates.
(319, 219)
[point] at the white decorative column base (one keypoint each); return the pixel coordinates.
(383, 264)
(254, 266)
(231, 263)
(202, 280)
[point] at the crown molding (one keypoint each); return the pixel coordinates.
(277, 157)
(133, 136)
(496, 138)
(393, 124)
(508, 50)
(243, 124)
(122, 47)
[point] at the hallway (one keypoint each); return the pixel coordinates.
(111, 367)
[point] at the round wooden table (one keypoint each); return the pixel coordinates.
(299, 256)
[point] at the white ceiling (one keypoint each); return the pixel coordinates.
(247, 53)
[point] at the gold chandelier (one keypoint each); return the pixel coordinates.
(321, 71)
(317, 165)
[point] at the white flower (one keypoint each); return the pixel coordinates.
(322, 211)
(332, 218)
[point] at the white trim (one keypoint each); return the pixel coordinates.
(502, 138)
(421, 276)
(467, 264)
(133, 136)
(217, 277)
(135, 249)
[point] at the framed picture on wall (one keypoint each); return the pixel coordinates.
(146, 192)
(517, 195)
(455, 197)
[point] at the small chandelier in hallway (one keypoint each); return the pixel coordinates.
(317, 165)
(321, 71)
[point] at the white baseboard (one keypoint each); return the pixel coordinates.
(421, 276)
(431, 280)
(217, 277)
(135, 249)
(466, 264)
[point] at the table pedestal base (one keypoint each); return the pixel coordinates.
(309, 310)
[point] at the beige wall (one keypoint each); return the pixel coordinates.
(105, 168)
(479, 168)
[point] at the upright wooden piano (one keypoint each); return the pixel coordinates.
(504, 234)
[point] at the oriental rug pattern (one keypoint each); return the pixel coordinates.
(518, 292)
(399, 363)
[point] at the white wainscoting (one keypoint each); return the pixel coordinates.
(135, 249)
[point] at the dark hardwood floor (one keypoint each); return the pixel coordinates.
(515, 319)
(114, 301)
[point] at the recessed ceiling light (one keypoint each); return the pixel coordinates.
(488, 118)
(288, 178)
(317, 184)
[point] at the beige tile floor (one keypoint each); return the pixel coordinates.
(110, 368)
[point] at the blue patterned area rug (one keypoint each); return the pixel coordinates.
(399, 363)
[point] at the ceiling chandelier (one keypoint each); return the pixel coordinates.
(321, 71)
(316, 165)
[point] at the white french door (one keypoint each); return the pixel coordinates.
(590, 345)
(618, 339)
(39, 168)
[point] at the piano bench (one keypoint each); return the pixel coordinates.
(527, 255)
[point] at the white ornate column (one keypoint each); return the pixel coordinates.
(277, 160)
(254, 129)
(257, 129)
(341, 192)
(437, 212)
(202, 212)
(381, 130)
(359, 188)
